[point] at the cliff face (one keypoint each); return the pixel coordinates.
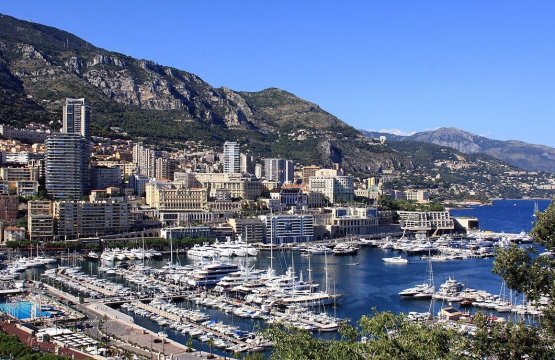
(41, 65)
(48, 68)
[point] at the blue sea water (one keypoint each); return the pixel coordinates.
(510, 216)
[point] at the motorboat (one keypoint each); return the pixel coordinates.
(92, 255)
(395, 260)
(345, 249)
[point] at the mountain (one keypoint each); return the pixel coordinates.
(526, 156)
(523, 155)
(378, 134)
(170, 108)
(42, 65)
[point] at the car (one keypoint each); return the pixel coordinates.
(157, 341)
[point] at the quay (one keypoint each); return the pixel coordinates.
(98, 289)
(176, 318)
(125, 334)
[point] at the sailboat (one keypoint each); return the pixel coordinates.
(536, 209)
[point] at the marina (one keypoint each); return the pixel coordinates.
(223, 302)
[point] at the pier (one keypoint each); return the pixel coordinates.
(205, 329)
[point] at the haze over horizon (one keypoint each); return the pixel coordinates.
(482, 67)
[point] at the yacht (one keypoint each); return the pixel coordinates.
(388, 244)
(107, 255)
(395, 260)
(201, 251)
(420, 289)
(317, 250)
(345, 249)
(240, 277)
(450, 290)
(92, 255)
(210, 273)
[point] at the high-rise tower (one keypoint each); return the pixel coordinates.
(76, 117)
(232, 157)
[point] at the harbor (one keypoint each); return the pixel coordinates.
(222, 304)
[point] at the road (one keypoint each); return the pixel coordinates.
(128, 335)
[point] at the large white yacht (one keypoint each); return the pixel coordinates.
(210, 273)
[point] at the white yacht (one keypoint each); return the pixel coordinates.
(318, 250)
(419, 291)
(92, 255)
(395, 260)
(203, 251)
(345, 249)
(210, 273)
(107, 255)
(240, 277)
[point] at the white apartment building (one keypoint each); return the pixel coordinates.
(431, 221)
(338, 189)
(232, 158)
(286, 228)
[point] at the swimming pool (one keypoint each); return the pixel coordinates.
(21, 310)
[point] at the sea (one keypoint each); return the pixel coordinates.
(366, 282)
(510, 216)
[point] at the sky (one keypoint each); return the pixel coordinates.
(487, 67)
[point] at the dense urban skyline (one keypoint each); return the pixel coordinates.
(484, 67)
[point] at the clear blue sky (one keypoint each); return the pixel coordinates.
(484, 66)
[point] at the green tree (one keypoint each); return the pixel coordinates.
(533, 275)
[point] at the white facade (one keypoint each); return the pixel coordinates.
(338, 189)
(286, 228)
(426, 221)
(232, 157)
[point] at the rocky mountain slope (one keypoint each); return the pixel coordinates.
(41, 65)
(520, 154)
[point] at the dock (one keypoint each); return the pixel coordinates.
(175, 318)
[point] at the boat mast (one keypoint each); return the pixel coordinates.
(293, 269)
(271, 254)
(309, 271)
(171, 247)
(431, 282)
(326, 270)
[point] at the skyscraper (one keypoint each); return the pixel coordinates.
(279, 170)
(247, 164)
(145, 160)
(76, 117)
(232, 157)
(67, 166)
